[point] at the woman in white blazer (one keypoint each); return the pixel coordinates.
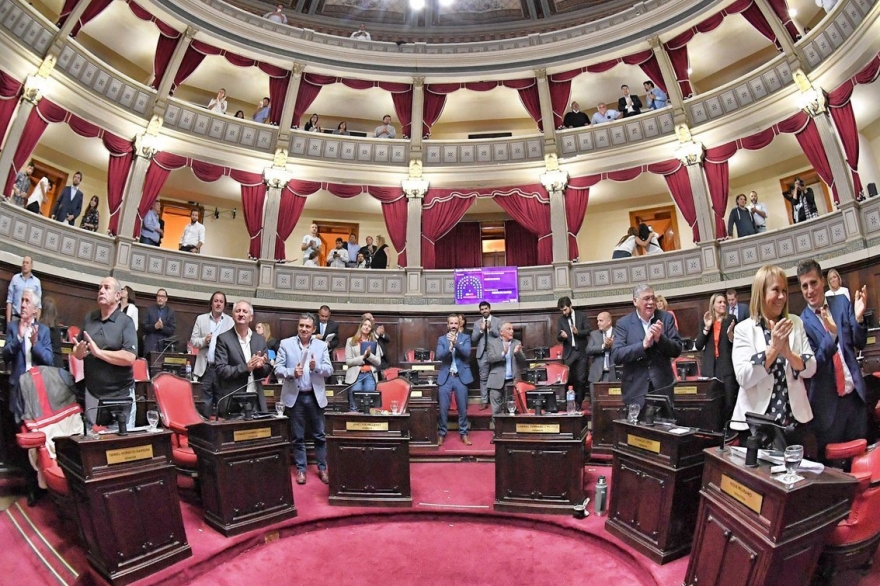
(363, 367)
(771, 359)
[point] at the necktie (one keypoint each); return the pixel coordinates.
(571, 327)
(607, 358)
(838, 363)
(213, 344)
(453, 367)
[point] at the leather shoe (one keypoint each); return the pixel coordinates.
(484, 406)
(300, 477)
(466, 440)
(325, 478)
(440, 440)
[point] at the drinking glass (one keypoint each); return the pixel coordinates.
(338, 379)
(395, 407)
(153, 419)
(279, 409)
(633, 413)
(511, 405)
(793, 457)
(430, 381)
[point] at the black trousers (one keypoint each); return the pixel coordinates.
(577, 373)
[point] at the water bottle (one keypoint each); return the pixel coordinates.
(601, 502)
(570, 407)
(189, 370)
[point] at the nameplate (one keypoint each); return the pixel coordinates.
(423, 367)
(687, 390)
(179, 361)
(366, 426)
(415, 394)
(872, 340)
(251, 434)
(122, 455)
(268, 392)
(643, 443)
(614, 391)
(64, 349)
(329, 393)
(537, 428)
(741, 493)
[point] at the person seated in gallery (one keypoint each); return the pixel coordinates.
(218, 103)
(361, 262)
(605, 114)
(342, 129)
(313, 125)
(276, 15)
(311, 259)
(575, 118)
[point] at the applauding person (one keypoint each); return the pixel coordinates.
(716, 342)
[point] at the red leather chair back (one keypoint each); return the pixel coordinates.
(391, 373)
(520, 389)
(556, 371)
(175, 401)
(675, 362)
(339, 354)
(394, 390)
(141, 370)
(555, 351)
(411, 355)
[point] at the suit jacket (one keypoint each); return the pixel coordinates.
(65, 206)
(231, 365)
(742, 312)
(461, 354)
(637, 106)
(331, 328)
(152, 336)
(596, 349)
(583, 327)
(641, 365)
(355, 360)
(13, 355)
(851, 336)
(723, 365)
(756, 383)
(481, 338)
(205, 325)
(290, 354)
(498, 362)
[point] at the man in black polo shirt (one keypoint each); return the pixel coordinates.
(108, 348)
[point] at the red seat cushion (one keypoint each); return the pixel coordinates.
(184, 457)
(30, 439)
(55, 480)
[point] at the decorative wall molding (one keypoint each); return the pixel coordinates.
(329, 147)
(25, 23)
(198, 121)
(625, 131)
(484, 151)
(830, 33)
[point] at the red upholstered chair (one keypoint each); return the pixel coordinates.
(520, 389)
(556, 371)
(854, 541)
(686, 359)
(555, 351)
(73, 365)
(339, 354)
(175, 401)
(391, 373)
(411, 355)
(37, 434)
(141, 370)
(394, 390)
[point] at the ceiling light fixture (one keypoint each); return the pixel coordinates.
(417, 4)
(792, 12)
(447, 3)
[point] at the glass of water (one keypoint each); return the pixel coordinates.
(153, 419)
(633, 413)
(511, 405)
(793, 457)
(279, 409)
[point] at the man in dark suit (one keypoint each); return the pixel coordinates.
(240, 359)
(328, 330)
(599, 347)
(506, 361)
(628, 104)
(27, 345)
(573, 330)
(484, 331)
(69, 204)
(645, 342)
(158, 323)
(837, 331)
(454, 353)
(738, 310)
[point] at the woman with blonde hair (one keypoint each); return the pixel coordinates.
(835, 285)
(363, 357)
(380, 257)
(771, 358)
(265, 330)
(661, 304)
(716, 341)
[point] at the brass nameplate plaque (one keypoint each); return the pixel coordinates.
(64, 350)
(173, 360)
(614, 391)
(742, 493)
(366, 426)
(872, 340)
(123, 455)
(429, 367)
(329, 393)
(251, 434)
(687, 390)
(415, 394)
(643, 443)
(268, 392)
(537, 428)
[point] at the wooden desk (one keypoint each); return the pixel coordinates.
(124, 491)
(424, 411)
(173, 362)
(244, 472)
(655, 480)
(368, 458)
(428, 367)
(753, 530)
(698, 403)
(539, 463)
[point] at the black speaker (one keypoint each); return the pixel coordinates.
(872, 190)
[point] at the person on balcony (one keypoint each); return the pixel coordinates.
(262, 114)
(575, 118)
(655, 98)
(22, 185)
(628, 104)
(605, 114)
(276, 15)
(218, 103)
(193, 237)
(385, 130)
(338, 257)
(361, 34)
(741, 218)
(313, 125)
(69, 203)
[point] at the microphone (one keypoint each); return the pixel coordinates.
(723, 447)
(169, 343)
(227, 395)
(121, 421)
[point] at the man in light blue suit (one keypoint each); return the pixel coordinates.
(454, 352)
(837, 331)
(303, 365)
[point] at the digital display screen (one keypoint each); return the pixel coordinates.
(492, 284)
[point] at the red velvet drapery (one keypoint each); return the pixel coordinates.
(165, 46)
(157, 173)
(394, 210)
(460, 248)
(288, 215)
(94, 8)
(520, 245)
(676, 176)
(528, 206)
(577, 195)
(435, 98)
(10, 88)
(804, 129)
(441, 211)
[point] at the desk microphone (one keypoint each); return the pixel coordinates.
(121, 420)
(168, 343)
(227, 395)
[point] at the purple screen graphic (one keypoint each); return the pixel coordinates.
(493, 284)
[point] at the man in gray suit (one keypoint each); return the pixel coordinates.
(506, 361)
(206, 330)
(599, 347)
(484, 330)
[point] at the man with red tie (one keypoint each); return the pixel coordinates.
(837, 331)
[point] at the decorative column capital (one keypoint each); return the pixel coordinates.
(654, 42)
(147, 143)
(689, 151)
(35, 84)
(415, 186)
(553, 179)
(190, 32)
(812, 99)
(418, 81)
(277, 176)
(298, 68)
(541, 73)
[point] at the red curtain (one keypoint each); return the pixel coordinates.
(780, 8)
(804, 129)
(647, 61)
(68, 7)
(435, 99)
(520, 245)
(160, 167)
(9, 93)
(845, 122)
(395, 211)
(718, 179)
(253, 198)
(288, 215)
(676, 176)
(528, 95)
(95, 8)
(30, 136)
(440, 213)
(532, 211)
(460, 248)
(577, 195)
(165, 46)
(304, 98)
(678, 56)
(403, 108)
(191, 60)
(559, 94)
(118, 168)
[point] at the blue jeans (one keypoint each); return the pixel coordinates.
(364, 382)
(453, 384)
(306, 406)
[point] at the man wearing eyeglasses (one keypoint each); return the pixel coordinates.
(158, 323)
(645, 342)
